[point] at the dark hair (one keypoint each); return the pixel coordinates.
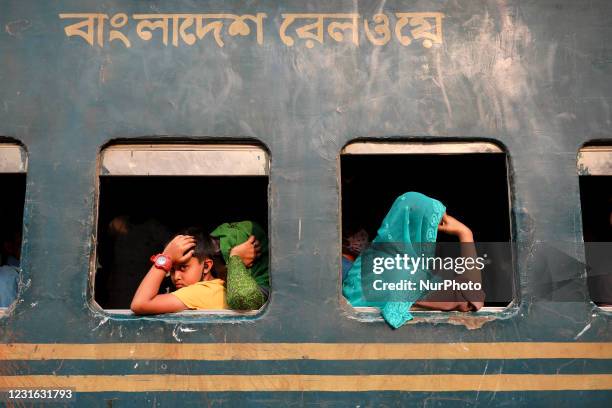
(204, 246)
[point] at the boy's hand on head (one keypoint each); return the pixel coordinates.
(180, 249)
(452, 226)
(248, 251)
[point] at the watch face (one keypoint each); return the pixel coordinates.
(162, 260)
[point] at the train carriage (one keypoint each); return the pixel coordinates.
(308, 118)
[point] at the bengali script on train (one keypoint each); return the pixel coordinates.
(296, 29)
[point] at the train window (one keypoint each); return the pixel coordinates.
(13, 165)
(149, 193)
(595, 179)
(469, 178)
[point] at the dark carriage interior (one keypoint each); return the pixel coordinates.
(473, 187)
(596, 203)
(13, 187)
(138, 215)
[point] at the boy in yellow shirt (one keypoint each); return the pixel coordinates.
(189, 260)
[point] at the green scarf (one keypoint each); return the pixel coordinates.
(235, 233)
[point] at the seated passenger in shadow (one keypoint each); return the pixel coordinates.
(123, 255)
(416, 219)
(353, 244)
(9, 271)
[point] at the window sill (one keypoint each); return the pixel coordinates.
(416, 311)
(188, 313)
(470, 320)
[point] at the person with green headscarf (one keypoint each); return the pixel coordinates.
(414, 221)
(247, 288)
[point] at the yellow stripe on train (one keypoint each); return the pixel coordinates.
(306, 351)
(330, 383)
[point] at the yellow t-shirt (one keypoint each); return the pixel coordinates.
(203, 295)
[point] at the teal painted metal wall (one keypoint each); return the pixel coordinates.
(535, 76)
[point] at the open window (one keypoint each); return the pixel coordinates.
(595, 178)
(148, 193)
(13, 164)
(469, 178)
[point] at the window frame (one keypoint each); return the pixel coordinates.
(190, 149)
(594, 159)
(16, 163)
(438, 147)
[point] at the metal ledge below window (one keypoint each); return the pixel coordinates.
(184, 160)
(190, 313)
(417, 310)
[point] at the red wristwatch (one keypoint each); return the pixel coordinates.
(161, 261)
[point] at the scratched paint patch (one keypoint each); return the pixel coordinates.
(15, 28)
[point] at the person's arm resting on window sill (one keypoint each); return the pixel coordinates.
(147, 299)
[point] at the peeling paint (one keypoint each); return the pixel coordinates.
(187, 330)
(587, 327)
(102, 322)
(14, 28)
(175, 334)
(470, 322)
